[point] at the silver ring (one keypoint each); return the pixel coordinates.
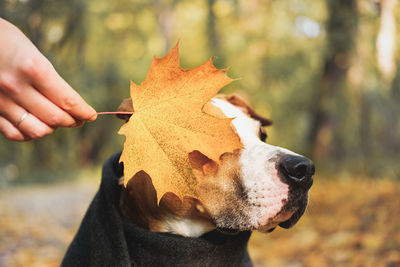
(23, 117)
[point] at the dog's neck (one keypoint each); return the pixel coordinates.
(138, 203)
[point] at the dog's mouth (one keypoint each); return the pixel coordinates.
(288, 216)
(294, 218)
(297, 204)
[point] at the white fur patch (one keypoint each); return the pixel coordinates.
(186, 227)
(266, 192)
(245, 127)
(264, 188)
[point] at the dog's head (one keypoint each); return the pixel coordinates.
(255, 188)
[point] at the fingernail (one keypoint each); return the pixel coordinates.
(94, 112)
(93, 118)
(78, 124)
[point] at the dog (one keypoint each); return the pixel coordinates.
(258, 187)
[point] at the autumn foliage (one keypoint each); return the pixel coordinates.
(168, 123)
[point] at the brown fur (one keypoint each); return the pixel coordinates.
(138, 203)
(219, 186)
(216, 183)
(239, 101)
(126, 106)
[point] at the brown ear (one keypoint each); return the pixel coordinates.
(239, 101)
(126, 106)
(201, 164)
(187, 208)
(138, 201)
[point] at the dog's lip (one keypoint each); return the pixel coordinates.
(297, 202)
(294, 218)
(284, 216)
(288, 223)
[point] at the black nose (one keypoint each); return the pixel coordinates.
(297, 170)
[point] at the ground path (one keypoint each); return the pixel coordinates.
(349, 222)
(38, 222)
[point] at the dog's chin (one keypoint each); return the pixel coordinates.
(293, 219)
(301, 204)
(286, 218)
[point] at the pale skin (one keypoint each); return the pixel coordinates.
(29, 83)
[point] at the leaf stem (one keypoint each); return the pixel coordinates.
(114, 112)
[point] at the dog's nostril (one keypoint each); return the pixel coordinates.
(300, 171)
(296, 169)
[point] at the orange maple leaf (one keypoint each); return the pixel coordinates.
(168, 123)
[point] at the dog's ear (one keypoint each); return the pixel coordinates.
(188, 207)
(126, 106)
(240, 102)
(138, 201)
(201, 164)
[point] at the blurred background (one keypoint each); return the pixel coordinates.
(327, 72)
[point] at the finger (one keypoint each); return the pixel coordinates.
(34, 128)
(80, 123)
(10, 131)
(46, 80)
(40, 106)
(30, 127)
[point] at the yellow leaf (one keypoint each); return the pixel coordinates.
(168, 123)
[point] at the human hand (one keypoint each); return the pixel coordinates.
(34, 99)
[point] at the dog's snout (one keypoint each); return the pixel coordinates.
(297, 170)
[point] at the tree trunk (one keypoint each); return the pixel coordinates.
(212, 33)
(385, 42)
(323, 137)
(393, 123)
(385, 46)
